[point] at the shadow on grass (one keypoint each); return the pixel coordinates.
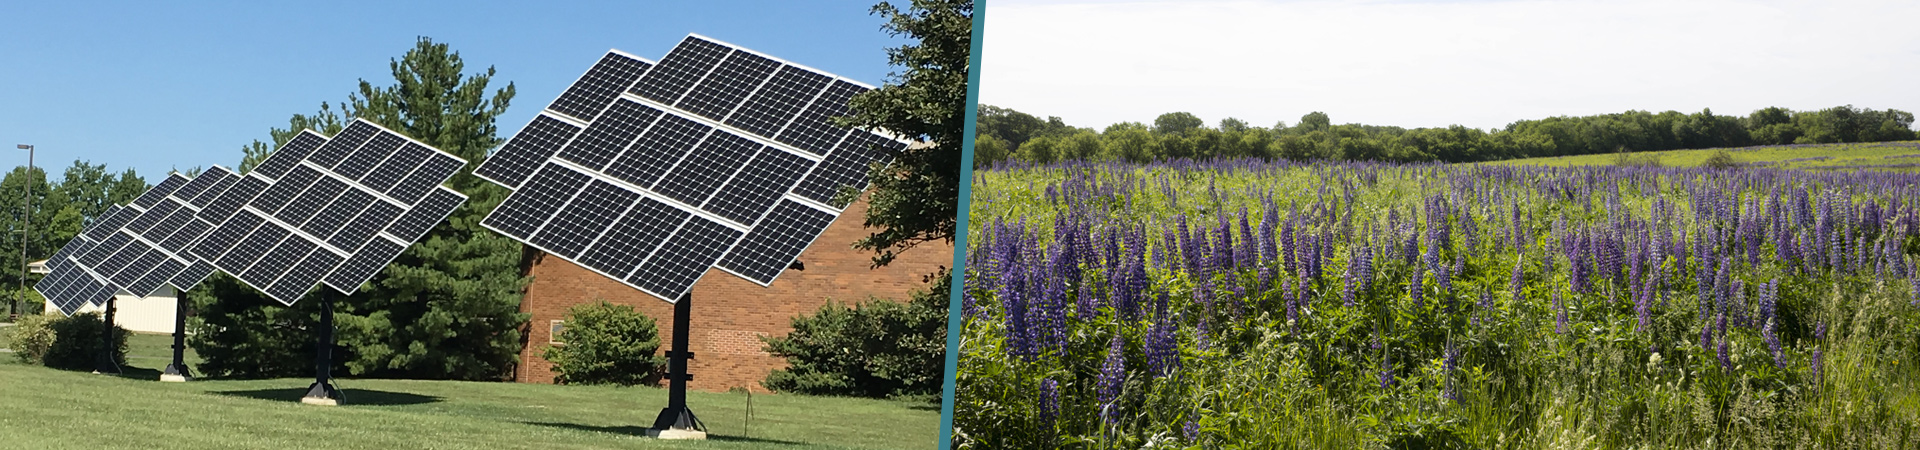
(351, 397)
(635, 430)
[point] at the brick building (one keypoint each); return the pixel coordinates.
(730, 313)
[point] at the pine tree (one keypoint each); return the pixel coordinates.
(447, 307)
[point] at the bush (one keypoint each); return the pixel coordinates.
(1720, 160)
(604, 343)
(76, 342)
(30, 337)
(876, 349)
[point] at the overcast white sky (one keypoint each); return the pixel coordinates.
(1482, 64)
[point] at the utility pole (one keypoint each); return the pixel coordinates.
(26, 218)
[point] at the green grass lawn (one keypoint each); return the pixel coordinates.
(1841, 156)
(43, 408)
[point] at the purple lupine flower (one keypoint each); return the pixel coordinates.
(1727, 364)
(1820, 330)
(1560, 314)
(1413, 287)
(1386, 370)
(1113, 373)
(1191, 430)
(1163, 357)
(1448, 364)
(1773, 344)
(1049, 401)
(1519, 278)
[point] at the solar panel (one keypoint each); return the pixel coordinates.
(774, 245)
(422, 217)
(199, 184)
(348, 276)
(396, 167)
(584, 218)
(524, 153)
(229, 202)
(159, 191)
(587, 96)
(363, 226)
(343, 144)
(303, 276)
(704, 150)
(436, 170)
(289, 155)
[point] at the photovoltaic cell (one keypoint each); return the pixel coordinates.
(114, 222)
(152, 216)
(683, 66)
(776, 243)
(219, 241)
(421, 218)
(684, 257)
(343, 144)
(363, 265)
(584, 218)
(252, 248)
(707, 168)
(728, 84)
(330, 219)
(307, 203)
(153, 279)
(523, 154)
(811, 131)
(778, 101)
(585, 98)
(188, 234)
(395, 168)
(276, 262)
(303, 276)
(224, 180)
(169, 226)
(758, 186)
(635, 236)
(230, 201)
(107, 248)
(159, 191)
(192, 275)
(431, 173)
(283, 160)
(375, 151)
(846, 166)
(528, 208)
(132, 262)
(658, 149)
(281, 192)
(364, 226)
(606, 137)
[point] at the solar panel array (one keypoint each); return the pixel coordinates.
(316, 211)
(717, 156)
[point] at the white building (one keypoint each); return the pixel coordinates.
(142, 315)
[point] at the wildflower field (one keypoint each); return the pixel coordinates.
(1258, 304)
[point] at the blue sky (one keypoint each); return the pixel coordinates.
(156, 87)
(1481, 64)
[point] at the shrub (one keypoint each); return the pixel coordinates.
(31, 337)
(877, 349)
(76, 342)
(1720, 160)
(604, 343)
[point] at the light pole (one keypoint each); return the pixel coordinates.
(26, 218)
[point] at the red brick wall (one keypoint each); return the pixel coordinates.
(729, 313)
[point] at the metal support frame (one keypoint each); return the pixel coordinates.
(177, 371)
(322, 391)
(106, 363)
(676, 417)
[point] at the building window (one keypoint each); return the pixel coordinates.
(554, 327)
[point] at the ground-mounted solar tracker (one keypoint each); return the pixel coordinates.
(652, 173)
(716, 156)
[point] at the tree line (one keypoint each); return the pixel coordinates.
(58, 212)
(1006, 134)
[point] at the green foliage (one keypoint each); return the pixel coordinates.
(606, 343)
(30, 337)
(916, 199)
(1720, 160)
(1183, 135)
(877, 349)
(448, 306)
(76, 342)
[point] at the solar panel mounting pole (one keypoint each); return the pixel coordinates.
(177, 371)
(676, 421)
(322, 392)
(106, 363)
(27, 220)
